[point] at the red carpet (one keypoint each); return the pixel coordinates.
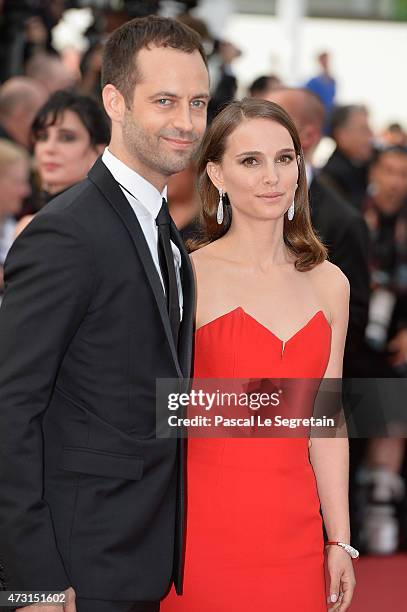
(381, 584)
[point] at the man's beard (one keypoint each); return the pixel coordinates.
(146, 147)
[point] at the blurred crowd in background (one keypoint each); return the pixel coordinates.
(53, 127)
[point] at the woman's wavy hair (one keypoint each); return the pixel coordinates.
(299, 236)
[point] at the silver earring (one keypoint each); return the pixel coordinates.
(219, 214)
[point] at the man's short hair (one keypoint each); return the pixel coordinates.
(119, 65)
(341, 114)
(380, 152)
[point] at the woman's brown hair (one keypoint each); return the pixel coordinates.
(299, 236)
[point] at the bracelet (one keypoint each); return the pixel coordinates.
(349, 549)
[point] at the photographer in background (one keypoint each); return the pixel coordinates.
(380, 480)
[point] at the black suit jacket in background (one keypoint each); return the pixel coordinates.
(89, 497)
(349, 180)
(344, 232)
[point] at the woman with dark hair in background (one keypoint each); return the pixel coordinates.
(70, 132)
(269, 306)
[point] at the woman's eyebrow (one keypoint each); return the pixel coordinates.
(249, 153)
(246, 153)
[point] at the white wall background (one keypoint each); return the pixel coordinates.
(368, 58)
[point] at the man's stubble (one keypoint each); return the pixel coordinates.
(147, 147)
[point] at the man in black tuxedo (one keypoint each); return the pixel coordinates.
(346, 171)
(340, 226)
(98, 305)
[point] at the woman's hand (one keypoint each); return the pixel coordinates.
(342, 578)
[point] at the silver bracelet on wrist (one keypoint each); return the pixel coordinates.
(349, 549)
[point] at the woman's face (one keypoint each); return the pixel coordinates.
(259, 170)
(64, 152)
(14, 187)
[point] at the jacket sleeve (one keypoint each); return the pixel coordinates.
(352, 258)
(49, 276)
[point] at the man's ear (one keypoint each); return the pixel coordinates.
(215, 174)
(100, 148)
(310, 136)
(113, 102)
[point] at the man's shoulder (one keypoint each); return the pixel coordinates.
(337, 165)
(72, 200)
(331, 202)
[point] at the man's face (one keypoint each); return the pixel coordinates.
(389, 177)
(167, 117)
(355, 137)
(289, 102)
(295, 104)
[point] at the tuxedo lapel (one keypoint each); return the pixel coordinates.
(108, 187)
(188, 290)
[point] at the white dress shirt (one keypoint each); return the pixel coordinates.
(7, 231)
(146, 202)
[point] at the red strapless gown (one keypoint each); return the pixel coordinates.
(254, 531)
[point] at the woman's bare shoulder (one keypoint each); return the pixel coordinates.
(333, 285)
(204, 256)
(331, 277)
(22, 224)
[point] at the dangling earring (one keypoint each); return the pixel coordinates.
(219, 214)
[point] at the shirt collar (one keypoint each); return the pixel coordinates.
(148, 196)
(309, 171)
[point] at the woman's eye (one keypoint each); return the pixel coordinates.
(41, 136)
(285, 159)
(67, 137)
(250, 161)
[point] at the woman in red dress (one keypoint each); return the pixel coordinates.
(269, 306)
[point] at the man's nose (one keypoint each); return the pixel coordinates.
(182, 120)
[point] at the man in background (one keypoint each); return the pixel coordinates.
(20, 100)
(346, 171)
(340, 226)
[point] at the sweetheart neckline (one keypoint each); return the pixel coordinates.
(283, 342)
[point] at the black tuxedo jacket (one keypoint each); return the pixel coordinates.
(88, 496)
(344, 232)
(347, 179)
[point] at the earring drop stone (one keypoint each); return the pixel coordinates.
(219, 214)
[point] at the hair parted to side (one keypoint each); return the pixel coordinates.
(119, 64)
(87, 109)
(299, 236)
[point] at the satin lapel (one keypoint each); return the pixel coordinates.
(188, 292)
(104, 181)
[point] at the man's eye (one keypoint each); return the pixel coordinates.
(198, 103)
(250, 161)
(163, 101)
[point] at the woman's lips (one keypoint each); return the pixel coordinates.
(50, 166)
(272, 195)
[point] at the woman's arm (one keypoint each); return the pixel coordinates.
(330, 456)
